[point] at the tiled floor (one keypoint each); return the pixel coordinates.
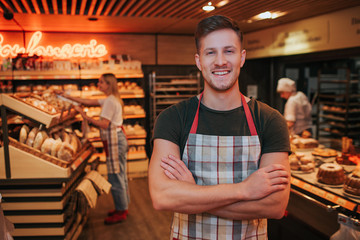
(143, 222)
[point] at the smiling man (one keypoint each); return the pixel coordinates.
(220, 159)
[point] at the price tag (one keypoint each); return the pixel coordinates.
(295, 181)
(307, 187)
(330, 197)
(318, 191)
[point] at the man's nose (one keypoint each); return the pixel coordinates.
(220, 59)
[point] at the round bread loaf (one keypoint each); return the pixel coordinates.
(24, 131)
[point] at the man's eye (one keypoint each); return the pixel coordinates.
(229, 51)
(210, 52)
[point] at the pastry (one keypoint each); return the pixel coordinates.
(331, 173)
(352, 182)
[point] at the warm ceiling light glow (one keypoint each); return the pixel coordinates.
(267, 15)
(222, 3)
(208, 7)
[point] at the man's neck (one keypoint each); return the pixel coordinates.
(222, 101)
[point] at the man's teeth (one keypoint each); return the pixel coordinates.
(220, 73)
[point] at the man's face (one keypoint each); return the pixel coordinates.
(285, 95)
(220, 58)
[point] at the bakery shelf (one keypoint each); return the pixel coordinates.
(28, 163)
(176, 89)
(69, 74)
(336, 196)
(342, 91)
(169, 96)
(167, 90)
(34, 113)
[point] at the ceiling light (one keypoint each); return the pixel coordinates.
(208, 7)
(267, 15)
(222, 3)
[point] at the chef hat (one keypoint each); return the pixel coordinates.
(286, 85)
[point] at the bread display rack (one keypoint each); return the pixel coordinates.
(19, 161)
(166, 90)
(338, 108)
(38, 189)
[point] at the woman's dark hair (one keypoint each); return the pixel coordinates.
(213, 23)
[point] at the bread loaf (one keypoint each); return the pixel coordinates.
(24, 131)
(65, 152)
(47, 145)
(41, 136)
(66, 137)
(31, 136)
(55, 147)
(75, 143)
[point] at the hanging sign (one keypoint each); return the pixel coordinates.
(77, 50)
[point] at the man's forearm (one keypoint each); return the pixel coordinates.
(272, 206)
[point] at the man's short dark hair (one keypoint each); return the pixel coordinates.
(213, 23)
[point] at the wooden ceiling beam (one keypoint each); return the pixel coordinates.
(100, 8)
(135, 8)
(92, 7)
(45, 6)
(55, 7)
(109, 7)
(26, 6)
(157, 10)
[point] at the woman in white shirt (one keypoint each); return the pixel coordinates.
(114, 141)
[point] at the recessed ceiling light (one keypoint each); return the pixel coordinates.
(222, 3)
(208, 7)
(93, 19)
(267, 15)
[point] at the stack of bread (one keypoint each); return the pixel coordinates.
(62, 145)
(47, 101)
(300, 162)
(304, 142)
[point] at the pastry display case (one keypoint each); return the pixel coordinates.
(325, 185)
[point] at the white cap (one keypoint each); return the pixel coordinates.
(286, 85)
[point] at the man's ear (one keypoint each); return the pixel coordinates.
(197, 61)
(243, 56)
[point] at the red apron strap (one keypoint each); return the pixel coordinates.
(249, 118)
(196, 119)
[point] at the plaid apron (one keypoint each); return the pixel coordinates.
(220, 160)
(110, 141)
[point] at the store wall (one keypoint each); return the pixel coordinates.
(338, 30)
(150, 49)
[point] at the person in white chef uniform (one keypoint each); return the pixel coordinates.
(297, 111)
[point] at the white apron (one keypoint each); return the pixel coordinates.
(220, 160)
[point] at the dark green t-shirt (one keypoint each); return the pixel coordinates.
(174, 123)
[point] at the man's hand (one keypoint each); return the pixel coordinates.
(176, 169)
(265, 181)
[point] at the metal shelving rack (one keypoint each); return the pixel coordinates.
(338, 108)
(170, 89)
